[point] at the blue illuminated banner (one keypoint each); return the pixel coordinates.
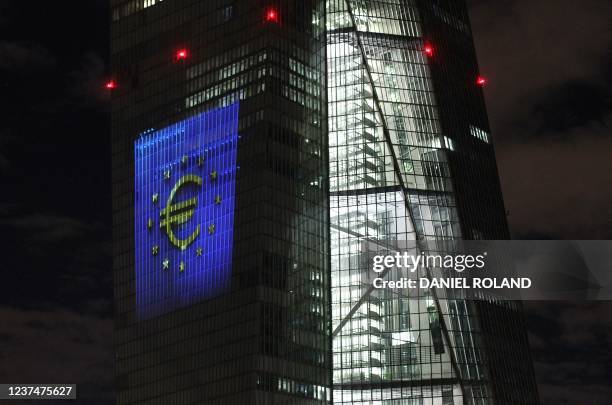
(184, 211)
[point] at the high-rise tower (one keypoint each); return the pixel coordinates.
(411, 160)
(258, 147)
(220, 202)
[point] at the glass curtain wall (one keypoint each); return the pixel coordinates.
(390, 183)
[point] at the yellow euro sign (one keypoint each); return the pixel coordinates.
(180, 213)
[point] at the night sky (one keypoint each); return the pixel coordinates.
(549, 97)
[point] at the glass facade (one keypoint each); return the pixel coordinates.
(398, 172)
(349, 136)
(196, 330)
(389, 182)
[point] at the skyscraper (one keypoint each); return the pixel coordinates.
(256, 146)
(411, 160)
(220, 202)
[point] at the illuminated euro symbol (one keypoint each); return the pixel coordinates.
(180, 213)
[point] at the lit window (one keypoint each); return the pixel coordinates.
(480, 134)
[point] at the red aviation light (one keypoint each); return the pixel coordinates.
(110, 85)
(481, 81)
(181, 54)
(429, 50)
(272, 15)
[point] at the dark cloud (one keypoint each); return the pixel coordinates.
(18, 57)
(39, 82)
(60, 347)
(550, 103)
(54, 160)
(88, 79)
(559, 189)
(56, 291)
(528, 47)
(573, 350)
(573, 104)
(54, 261)
(47, 228)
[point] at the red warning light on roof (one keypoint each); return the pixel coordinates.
(111, 84)
(481, 81)
(272, 15)
(181, 54)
